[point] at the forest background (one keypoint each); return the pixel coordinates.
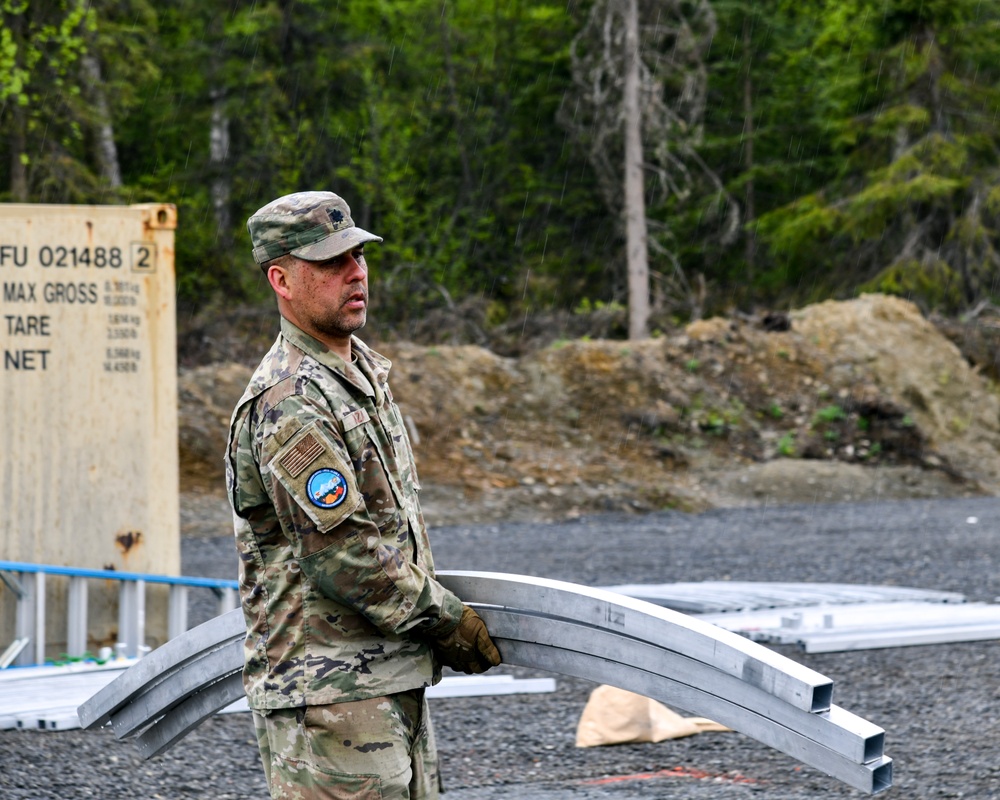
(792, 152)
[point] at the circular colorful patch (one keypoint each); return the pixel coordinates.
(326, 488)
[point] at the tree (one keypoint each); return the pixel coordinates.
(636, 237)
(911, 90)
(39, 47)
(668, 93)
(68, 72)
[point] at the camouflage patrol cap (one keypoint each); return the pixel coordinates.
(313, 226)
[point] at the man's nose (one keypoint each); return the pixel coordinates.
(355, 268)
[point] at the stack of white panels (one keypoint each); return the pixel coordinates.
(717, 597)
(47, 698)
(866, 626)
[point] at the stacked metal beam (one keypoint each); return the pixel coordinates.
(561, 627)
(721, 597)
(866, 626)
(828, 617)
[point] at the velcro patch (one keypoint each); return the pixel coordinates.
(316, 473)
(352, 419)
(307, 450)
(326, 488)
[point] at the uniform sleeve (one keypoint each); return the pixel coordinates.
(312, 483)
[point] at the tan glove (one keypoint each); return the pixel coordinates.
(467, 647)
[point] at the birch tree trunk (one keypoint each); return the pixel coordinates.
(640, 87)
(220, 186)
(105, 150)
(635, 202)
(218, 152)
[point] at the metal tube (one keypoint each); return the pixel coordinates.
(188, 715)
(39, 638)
(177, 611)
(873, 777)
(839, 730)
(228, 599)
(833, 641)
(24, 625)
(567, 629)
(76, 617)
(750, 662)
(197, 674)
(150, 670)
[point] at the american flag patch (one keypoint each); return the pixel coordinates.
(302, 455)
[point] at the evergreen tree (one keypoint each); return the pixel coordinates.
(910, 91)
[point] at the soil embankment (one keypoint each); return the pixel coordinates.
(839, 401)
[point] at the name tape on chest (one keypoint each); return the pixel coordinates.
(352, 419)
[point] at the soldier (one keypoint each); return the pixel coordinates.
(346, 624)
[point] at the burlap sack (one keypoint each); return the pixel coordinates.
(614, 716)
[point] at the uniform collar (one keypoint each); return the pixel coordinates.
(373, 365)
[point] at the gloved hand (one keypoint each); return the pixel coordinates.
(467, 647)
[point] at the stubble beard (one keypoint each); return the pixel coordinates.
(341, 324)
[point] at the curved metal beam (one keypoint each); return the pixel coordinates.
(168, 693)
(726, 651)
(872, 777)
(561, 627)
(837, 730)
(159, 665)
(188, 715)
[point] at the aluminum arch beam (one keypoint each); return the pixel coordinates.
(164, 696)
(160, 665)
(726, 651)
(188, 715)
(720, 696)
(188, 680)
(872, 777)
(837, 729)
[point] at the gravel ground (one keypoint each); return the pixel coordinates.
(938, 704)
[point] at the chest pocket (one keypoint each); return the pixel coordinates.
(374, 465)
(404, 452)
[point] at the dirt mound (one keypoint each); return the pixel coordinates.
(951, 404)
(712, 415)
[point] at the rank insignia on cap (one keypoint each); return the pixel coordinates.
(326, 488)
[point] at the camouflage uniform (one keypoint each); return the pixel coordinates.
(336, 574)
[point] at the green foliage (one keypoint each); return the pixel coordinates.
(856, 141)
(40, 90)
(906, 99)
(828, 414)
(935, 283)
(587, 306)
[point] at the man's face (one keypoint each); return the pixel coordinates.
(329, 298)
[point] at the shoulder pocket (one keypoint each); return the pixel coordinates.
(314, 470)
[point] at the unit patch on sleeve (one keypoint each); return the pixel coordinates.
(326, 488)
(314, 469)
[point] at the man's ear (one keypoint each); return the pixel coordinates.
(277, 276)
